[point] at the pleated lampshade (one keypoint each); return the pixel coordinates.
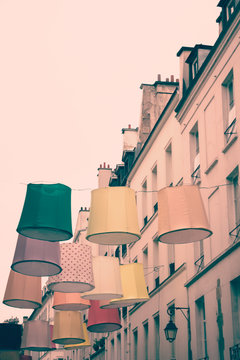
(10, 355)
(68, 328)
(133, 285)
(77, 273)
(84, 344)
(23, 291)
(36, 336)
(102, 320)
(10, 336)
(106, 273)
(36, 257)
(46, 213)
(69, 301)
(113, 216)
(181, 215)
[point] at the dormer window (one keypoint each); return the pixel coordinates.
(230, 9)
(195, 68)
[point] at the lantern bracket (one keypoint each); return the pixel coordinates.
(172, 309)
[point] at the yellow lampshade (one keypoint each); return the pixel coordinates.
(23, 291)
(181, 215)
(68, 328)
(85, 344)
(107, 279)
(113, 216)
(133, 285)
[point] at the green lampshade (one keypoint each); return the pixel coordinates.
(46, 213)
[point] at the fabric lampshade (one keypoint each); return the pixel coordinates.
(77, 273)
(106, 273)
(113, 216)
(69, 301)
(102, 320)
(36, 257)
(10, 336)
(10, 355)
(23, 291)
(46, 213)
(68, 328)
(181, 215)
(36, 336)
(85, 344)
(133, 285)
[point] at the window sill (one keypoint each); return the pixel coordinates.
(229, 144)
(211, 166)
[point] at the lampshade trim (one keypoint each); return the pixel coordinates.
(6, 302)
(70, 341)
(137, 236)
(184, 229)
(76, 283)
(68, 234)
(92, 328)
(36, 261)
(67, 307)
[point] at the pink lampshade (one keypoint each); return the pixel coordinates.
(102, 320)
(36, 336)
(77, 273)
(36, 257)
(69, 301)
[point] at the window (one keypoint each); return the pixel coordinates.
(234, 204)
(119, 347)
(168, 152)
(125, 343)
(154, 189)
(156, 262)
(198, 255)
(157, 337)
(235, 299)
(171, 258)
(144, 202)
(172, 345)
(135, 345)
(145, 330)
(194, 153)
(195, 68)
(229, 112)
(230, 9)
(201, 330)
(145, 264)
(112, 349)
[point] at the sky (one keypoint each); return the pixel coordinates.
(70, 76)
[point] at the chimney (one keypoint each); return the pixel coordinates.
(167, 79)
(172, 78)
(104, 174)
(159, 77)
(130, 137)
(183, 54)
(82, 223)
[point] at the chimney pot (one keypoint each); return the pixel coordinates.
(100, 166)
(108, 166)
(104, 165)
(172, 78)
(177, 80)
(167, 79)
(129, 126)
(159, 77)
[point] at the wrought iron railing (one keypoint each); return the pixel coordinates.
(199, 263)
(235, 352)
(196, 175)
(230, 130)
(235, 233)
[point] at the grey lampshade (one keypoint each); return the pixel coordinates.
(36, 336)
(36, 257)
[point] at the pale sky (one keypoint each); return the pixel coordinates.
(70, 73)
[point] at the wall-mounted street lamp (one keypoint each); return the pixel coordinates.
(171, 329)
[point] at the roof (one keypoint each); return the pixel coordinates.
(194, 52)
(184, 48)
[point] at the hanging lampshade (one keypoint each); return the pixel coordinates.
(84, 344)
(25, 357)
(10, 336)
(106, 273)
(181, 215)
(68, 328)
(36, 257)
(113, 216)
(77, 274)
(69, 301)
(133, 285)
(23, 291)
(36, 336)
(102, 320)
(10, 355)
(46, 213)
(53, 346)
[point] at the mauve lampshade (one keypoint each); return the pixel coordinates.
(133, 285)
(36, 257)
(36, 336)
(68, 327)
(46, 213)
(102, 320)
(23, 291)
(77, 274)
(106, 273)
(10, 355)
(69, 301)
(10, 336)
(113, 216)
(181, 215)
(85, 344)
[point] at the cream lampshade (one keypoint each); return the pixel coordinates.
(133, 285)
(36, 257)
(69, 301)
(85, 344)
(106, 273)
(113, 216)
(102, 320)
(36, 336)
(23, 291)
(68, 328)
(77, 273)
(181, 215)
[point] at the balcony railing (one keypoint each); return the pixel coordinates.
(199, 263)
(230, 130)
(235, 352)
(235, 233)
(196, 175)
